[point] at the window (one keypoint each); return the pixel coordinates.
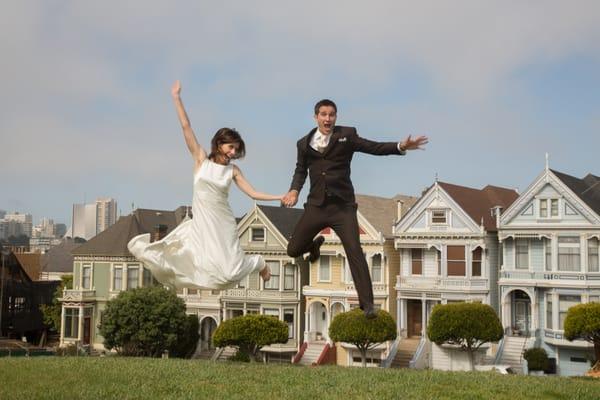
(71, 323)
(416, 256)
(594, 299)
(274, 312)
(288, 318)
(438, 255)
(456, 261)
(288, 277)
(568, 253)
(347, 272)
(273, 283)
(549, 312)
(257, 234)
(548, 250)
(147, 277)
(476, 263)
(548, 208)
(593, 255)
(376, 274)
(86, 277)
(438, 217)
(565, 302)
(242, 283)
(192, 292)
(18, 305)
(118, 278)
(132, 277)
(522, 254)
(324, 268)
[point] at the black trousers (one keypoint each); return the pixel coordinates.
(341, 217)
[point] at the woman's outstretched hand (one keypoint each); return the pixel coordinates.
(176, 89)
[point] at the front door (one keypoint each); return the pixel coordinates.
(522, 316)
(415, 318)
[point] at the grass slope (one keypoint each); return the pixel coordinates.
(137, 378)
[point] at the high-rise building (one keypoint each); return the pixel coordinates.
(91, 219)
(17, 224)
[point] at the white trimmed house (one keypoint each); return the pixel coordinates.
(550, 237)
(449, 251)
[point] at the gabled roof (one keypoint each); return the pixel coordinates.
(381, 212)
(30, 262)
(59, 258)
(113, 241)
(587, 189)
(478, 202)
(284, 219)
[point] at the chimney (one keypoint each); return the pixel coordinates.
(160, 231)
(399, 204)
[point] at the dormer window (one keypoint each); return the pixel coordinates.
(257, 234)
(548, 208)
(438, 217)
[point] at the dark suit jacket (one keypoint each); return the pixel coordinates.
(330, 170)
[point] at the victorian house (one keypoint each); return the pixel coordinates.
(330, 289)
(550, 237)
(448, 247)
(265, 230)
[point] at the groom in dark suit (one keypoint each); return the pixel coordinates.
(325, 153)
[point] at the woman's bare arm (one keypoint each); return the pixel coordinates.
(247, 188)
(198, 153)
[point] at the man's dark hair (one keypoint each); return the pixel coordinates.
(324, 103)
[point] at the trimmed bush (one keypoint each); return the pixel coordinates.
(468, 325)
(537, 359)
(146, 322)
(250, 333)
(583, 322)
(355, 328)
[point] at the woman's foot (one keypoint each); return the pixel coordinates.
(265, 273)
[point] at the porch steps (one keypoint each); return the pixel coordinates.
(223, 354)
(204, 354)
(406, 351)
(312, 353)
(512, 354)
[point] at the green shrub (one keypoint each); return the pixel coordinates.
(250, 333)
(52, 312)
(537, 359)
(355, 328)
(468, 325)
(146, 322)
(583, 322)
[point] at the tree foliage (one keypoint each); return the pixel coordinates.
(583, 322)
(355, 328)
(537, 359)
(52, 312)
(468, 325)
(250, 333)
(146, 322)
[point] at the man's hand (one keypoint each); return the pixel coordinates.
(290, 199)
(413, 144)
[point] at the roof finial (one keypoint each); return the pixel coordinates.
(547, 162)
(436, 176)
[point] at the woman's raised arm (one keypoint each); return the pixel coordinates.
(198, 153)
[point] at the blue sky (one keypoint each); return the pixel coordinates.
(86, 111)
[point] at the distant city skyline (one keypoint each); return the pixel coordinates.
(86, 107)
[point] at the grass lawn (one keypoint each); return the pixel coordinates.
(137, 378)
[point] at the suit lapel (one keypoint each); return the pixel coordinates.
(309, 138)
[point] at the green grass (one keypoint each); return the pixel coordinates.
(137, 378)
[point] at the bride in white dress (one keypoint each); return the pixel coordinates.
(205, 252)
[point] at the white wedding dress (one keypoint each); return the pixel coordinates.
(202, 252)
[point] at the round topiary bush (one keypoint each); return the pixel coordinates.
(537, 359)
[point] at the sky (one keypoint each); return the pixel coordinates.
(86, 112)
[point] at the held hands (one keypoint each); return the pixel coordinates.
(414, 144)
(176, 89)
(290, 199)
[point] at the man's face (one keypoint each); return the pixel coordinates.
(326, 119)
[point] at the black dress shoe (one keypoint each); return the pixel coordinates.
(315, 251)
(370, 312)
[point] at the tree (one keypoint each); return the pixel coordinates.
(52, 313)
(583, 322)
(468, 325)
(365, 333)
(250, 333)
(146, 322)
(537, 359)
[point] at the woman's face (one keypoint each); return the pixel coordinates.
(228, 151)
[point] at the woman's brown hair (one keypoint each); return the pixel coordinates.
(224, 136)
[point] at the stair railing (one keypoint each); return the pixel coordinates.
(391, 354)
(413, 363)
